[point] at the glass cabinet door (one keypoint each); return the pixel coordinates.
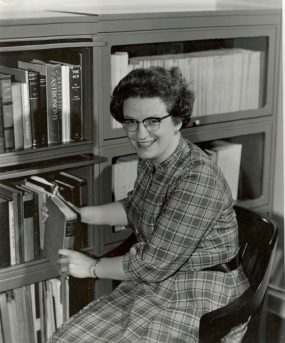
(47, 91)
(230, 70)
(244, 155)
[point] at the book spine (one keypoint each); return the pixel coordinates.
(4, 233)
(34, 92)
(75, 103)
(7, 112)
(26, 115)
(17, 115)
(43, 111)
(70, 234)
(53, 109)
(2, 140)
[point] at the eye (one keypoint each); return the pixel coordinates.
(130, 121)
(152, 121)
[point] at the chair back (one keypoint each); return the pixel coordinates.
(258, 238)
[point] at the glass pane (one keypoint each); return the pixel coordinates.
(45, 93)
(249, 176)
(22, 230)
(227, 75)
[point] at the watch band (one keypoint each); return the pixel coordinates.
(92, 267)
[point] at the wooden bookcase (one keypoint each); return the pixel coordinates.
(64, 36)
(163, 36)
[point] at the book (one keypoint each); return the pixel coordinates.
(38, 104)
(2, 140)
(228, 157)
(21, 75)
(17, 115)
(48, 186)
(24, 318)
(41, 195)
(52, 74)
(5, 318)
(4, 233)
(32, 294)
(50, 320)
(31, 235)
(56, 295)
(12, 316)
(16, 222)
(1, 331)
(72, 111)
(7, 110)
(76, 184)
(59, 228)
(35, 109)
(74, 189)
(30, 225)
(124, 174)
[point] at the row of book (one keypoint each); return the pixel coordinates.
(223, 80)
(40, 104)
(226, 154)
(31, 314)
(124, 174)
(23, 233)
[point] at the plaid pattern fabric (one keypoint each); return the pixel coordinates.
(182, 215)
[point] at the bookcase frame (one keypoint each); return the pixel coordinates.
(42, 33)
(187, 28)
(142, 28)
(100, 33)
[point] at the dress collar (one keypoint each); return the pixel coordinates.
(172, 160)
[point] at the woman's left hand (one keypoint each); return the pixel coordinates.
(75, 263)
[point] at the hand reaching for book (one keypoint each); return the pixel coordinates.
(75, 263)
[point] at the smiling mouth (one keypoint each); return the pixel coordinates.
(145, 144)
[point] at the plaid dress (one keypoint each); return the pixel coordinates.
(183, 218)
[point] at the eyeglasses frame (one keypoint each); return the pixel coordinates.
(159, 119)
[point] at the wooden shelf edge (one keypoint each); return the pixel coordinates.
(49, 165)
(24, 274)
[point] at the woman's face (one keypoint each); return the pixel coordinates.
(152, 145)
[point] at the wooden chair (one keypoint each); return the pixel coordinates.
(258, 238)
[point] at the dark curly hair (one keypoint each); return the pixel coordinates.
(169, 85)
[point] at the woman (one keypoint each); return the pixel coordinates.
(181, 211)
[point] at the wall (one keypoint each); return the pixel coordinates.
(103, 5)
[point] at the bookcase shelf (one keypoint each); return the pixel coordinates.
(213, 62)
(39, 167)
(24, 274)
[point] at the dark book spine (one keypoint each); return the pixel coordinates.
(43, 111)
(2, 140)
(53, 107)
(4, 234)
(7, 112)
(75, 103)
(34, 92)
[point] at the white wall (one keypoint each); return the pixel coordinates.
(101, 5)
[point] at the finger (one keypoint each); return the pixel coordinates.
(63, 260)
(64, 269)
(65, 252)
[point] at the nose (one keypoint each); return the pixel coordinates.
(142, 132)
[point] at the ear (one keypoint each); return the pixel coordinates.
(178, 125)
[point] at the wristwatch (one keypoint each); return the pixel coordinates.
(92, 267)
